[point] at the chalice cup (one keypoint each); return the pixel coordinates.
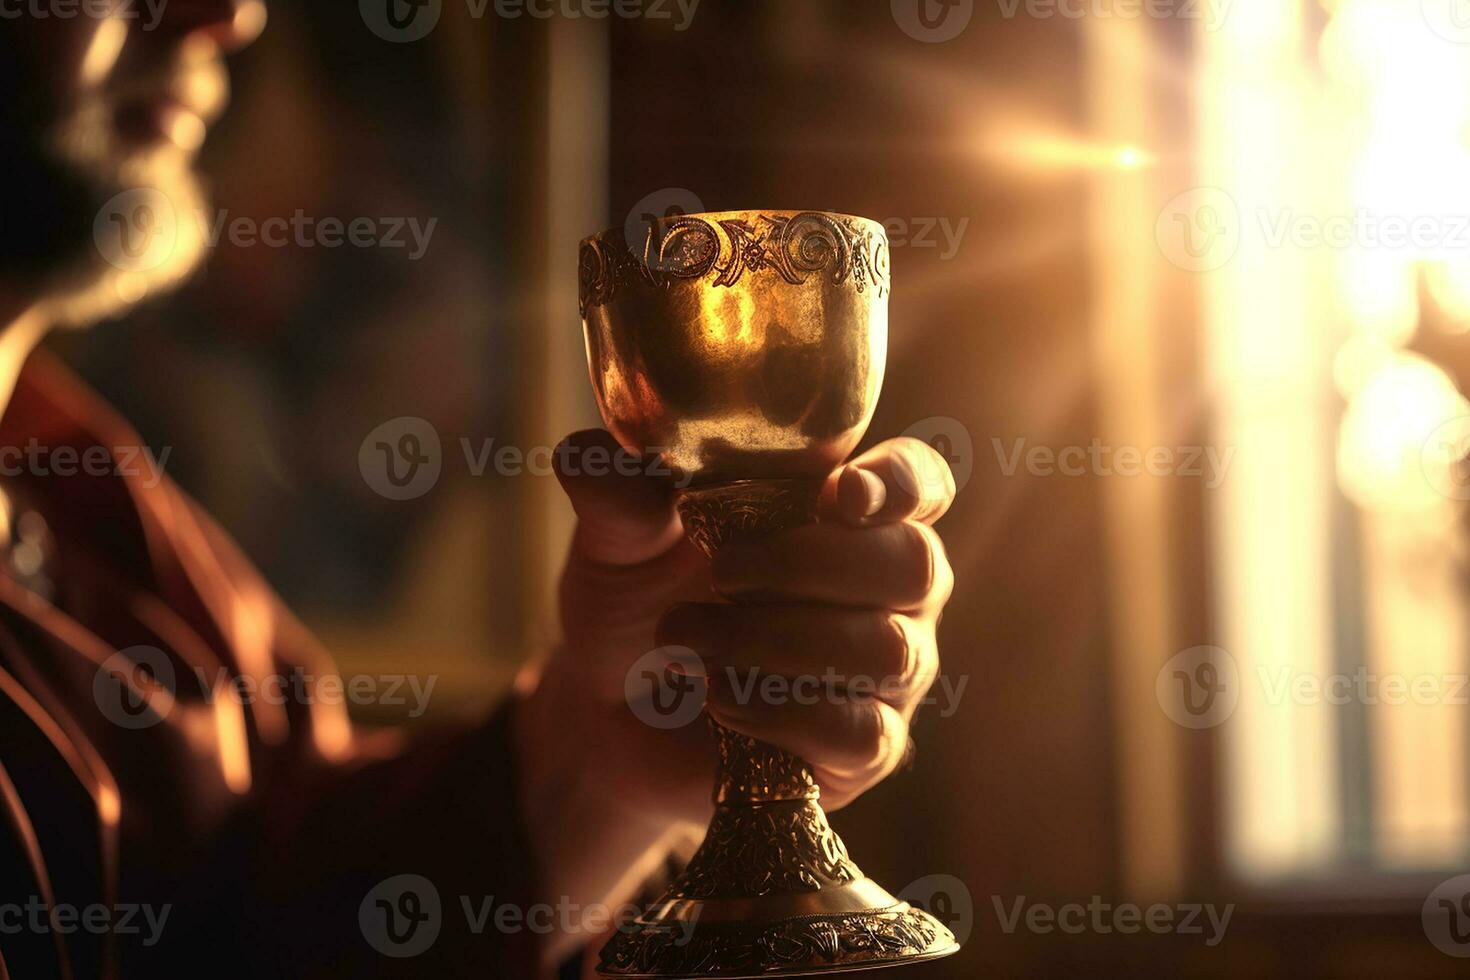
(745, 351)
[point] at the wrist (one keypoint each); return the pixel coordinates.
(585, 827)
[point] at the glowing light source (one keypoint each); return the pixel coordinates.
(1400, 93)
(1374, 140)
(1386, 441)
(1038, 150)
(1449, 285)
(1130, 157)
(1268, 337)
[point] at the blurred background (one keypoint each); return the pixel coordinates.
(1181, 287)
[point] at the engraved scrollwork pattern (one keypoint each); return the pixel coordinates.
(715, 515)
(752, 771)
(766, 849)
(687, 249)
(793, 247)
(786, 946)
(754, 844)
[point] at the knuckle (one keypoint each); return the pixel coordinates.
(908, 478)
(929, 459)
(898, 653)
(945, 473)
(941, 584)
(925, 673)
(930, 472)
(867, 736)
(917, 562)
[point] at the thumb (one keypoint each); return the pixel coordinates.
(623, 516)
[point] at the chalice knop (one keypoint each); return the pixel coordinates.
(745, 350)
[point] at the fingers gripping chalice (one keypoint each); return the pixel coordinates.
(746, 350)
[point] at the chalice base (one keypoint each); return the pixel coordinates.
(811, 933)
(771, 892)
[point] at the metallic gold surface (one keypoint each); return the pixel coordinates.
(746, 351)
(741, 344)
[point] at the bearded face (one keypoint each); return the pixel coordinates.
(102, 205)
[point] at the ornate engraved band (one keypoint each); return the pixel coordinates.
(783, 948)
(722, 512)
(751, 771)
(766, 849)
(726, 246)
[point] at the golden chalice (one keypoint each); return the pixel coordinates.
(746, 350)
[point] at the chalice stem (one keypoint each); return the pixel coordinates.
(750, 771)
(771, 891)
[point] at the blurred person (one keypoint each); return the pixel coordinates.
(245, 836)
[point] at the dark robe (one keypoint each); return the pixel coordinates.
(260, 827)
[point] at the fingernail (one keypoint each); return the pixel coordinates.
(861, 493)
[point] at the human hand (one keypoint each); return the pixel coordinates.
(843, 611)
